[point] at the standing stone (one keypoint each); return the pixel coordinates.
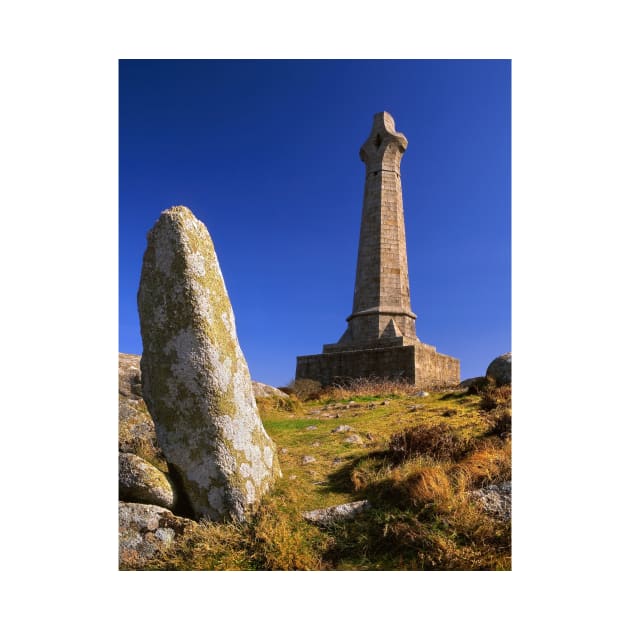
(381, 340)
(194, 376)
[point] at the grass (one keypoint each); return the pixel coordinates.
(416, 461)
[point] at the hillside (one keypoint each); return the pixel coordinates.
(435, 470)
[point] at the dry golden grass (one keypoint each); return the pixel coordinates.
(272, 404)
(490, 462)
(430, 485)
(282, 541)
(206, 547)
(277, 538)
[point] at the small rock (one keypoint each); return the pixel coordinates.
(337, 415)
(342, 512)
(342, 428)
(353, 403)
(146, 529)
(284, 451)
(496, 500)
(353, 439)
(308, 459)
(385, 402)
(422, 394)
(338, 460)
(369, 437)
(315, 444)
(140, 482)
(267, 391)
(371, 405)
(311, 427)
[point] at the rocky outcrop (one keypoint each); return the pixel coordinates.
(140, 482)
(136, 431)
(500, 370)
(194, 377)
(267, 391)
(144, 530)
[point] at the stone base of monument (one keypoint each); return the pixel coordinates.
(416, 363)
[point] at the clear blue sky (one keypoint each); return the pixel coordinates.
(266, 154)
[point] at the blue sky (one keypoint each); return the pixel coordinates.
(265, 153)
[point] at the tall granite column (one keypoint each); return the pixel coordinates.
(382, 306)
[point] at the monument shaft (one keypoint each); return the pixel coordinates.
(381, 291)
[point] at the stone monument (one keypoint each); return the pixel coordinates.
(381, 340)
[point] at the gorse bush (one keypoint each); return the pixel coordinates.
(437, 441)
(478, 386)
(494, 396)
(500, 423)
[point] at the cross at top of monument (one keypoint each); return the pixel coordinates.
(385, 146)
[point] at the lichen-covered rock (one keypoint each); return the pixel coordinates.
(343, 512)
(140, 482)
(129, 381)
(143, 530)
(267, 391)
(501, 369)
(195, 379)
(342, 428)
(136, 431)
